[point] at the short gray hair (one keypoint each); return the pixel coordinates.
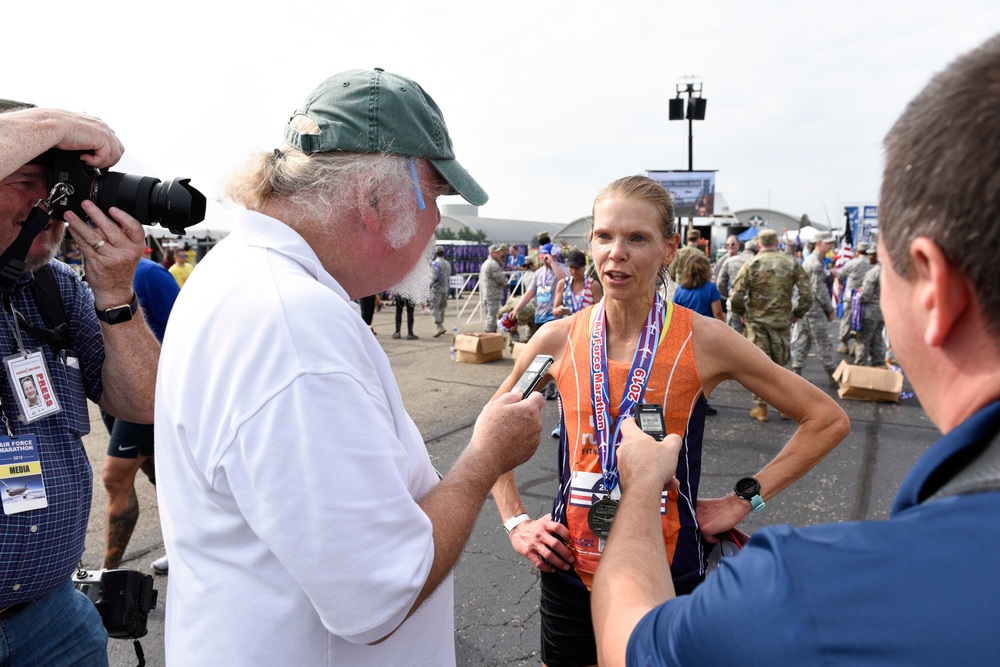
(942, 174)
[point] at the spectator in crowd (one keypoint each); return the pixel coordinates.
(515, 264)
(403, 303)
(696, 290)
(813, 327)
(869, 348)
(180, 269)
(700, 294)
(111, 361)
(573, 294)
(492, 284)
(634, 347)
(304, 521)
(168, 258)
(850, 277)
(368, 305)
(732, 250)
(542, 288)
(578, 290)
(863, 593)
(728, 277)
(439, 295)
(130, 447)
(762, 295)
(676, 269)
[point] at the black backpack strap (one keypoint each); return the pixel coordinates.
(48, 298)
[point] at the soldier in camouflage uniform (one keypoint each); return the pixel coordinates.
(492, 285)
(766, 283)
(870, 346)
(813, 327)
(852, 274)
(728, 276)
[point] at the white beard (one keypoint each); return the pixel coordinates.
(415, 286)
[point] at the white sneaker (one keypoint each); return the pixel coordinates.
(160, 565)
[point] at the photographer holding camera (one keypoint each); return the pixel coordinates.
(106, 355)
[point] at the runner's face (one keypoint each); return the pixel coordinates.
(628, 247)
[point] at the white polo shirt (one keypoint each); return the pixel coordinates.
(288, 472)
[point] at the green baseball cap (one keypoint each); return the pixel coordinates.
(13, 105)
(374, 111)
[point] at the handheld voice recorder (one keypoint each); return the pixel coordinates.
(649, 417)
(534, 373)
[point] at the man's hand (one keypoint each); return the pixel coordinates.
(80, 132)
(543, 542)
(634, 575)
(111, 249)
(508, 430)
(642, 460)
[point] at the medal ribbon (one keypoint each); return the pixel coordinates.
(576, 300)
(608, 435)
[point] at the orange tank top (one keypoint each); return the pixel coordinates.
(673, 383)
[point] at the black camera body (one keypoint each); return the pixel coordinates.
(175, 204)
(123, 598)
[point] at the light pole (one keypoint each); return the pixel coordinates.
(690, 85)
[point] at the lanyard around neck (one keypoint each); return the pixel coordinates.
(606, 433)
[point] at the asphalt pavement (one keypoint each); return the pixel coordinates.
(496, 591)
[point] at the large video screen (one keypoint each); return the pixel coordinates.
(693, 191)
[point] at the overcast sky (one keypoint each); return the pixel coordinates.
(546, 101)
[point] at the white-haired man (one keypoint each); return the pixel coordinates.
(304, 522)
(920, 588)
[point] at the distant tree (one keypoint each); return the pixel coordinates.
(468, 234)
(444, 234)
(805, 220)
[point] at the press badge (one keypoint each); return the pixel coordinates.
(21, 474)
(32, 386)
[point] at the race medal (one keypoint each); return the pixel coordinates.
(600, 516)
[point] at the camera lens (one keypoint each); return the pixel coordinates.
(174, 204)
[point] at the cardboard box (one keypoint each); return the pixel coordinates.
(518, 349)
(478, 348)
(866, 383)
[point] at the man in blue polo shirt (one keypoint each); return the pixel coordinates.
(921, 588)
(43, 619)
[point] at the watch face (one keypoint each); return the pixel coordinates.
(119, 314)
(747, 488)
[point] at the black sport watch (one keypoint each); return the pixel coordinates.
(748, 489)
(119, 314)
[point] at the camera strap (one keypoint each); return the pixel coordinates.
(48, 298)
(12, 260)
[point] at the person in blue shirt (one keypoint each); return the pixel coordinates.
(130, 447)
(920, 588)
(697, 292)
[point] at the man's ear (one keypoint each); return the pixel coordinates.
(368, 205)
(944, 291)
